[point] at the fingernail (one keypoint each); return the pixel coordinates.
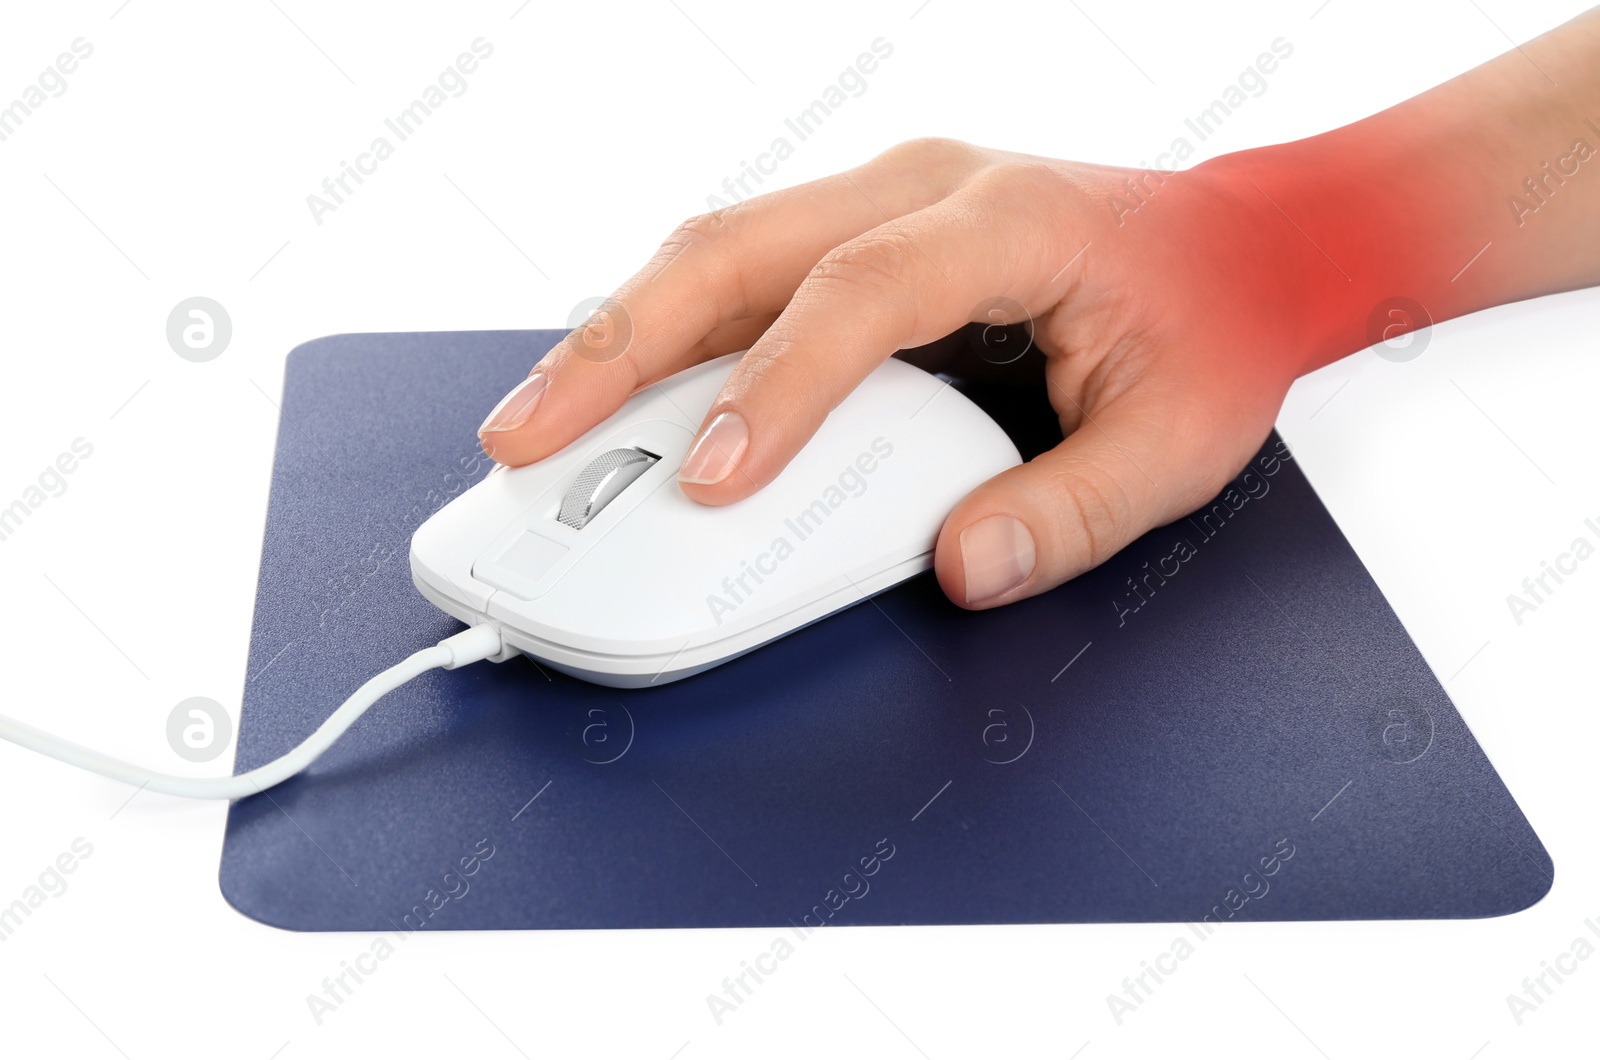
(719, 448)
(516, 407)
(997, 555)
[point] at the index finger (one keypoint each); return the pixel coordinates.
(714, 285)
(905, 283)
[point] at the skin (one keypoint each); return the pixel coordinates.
(1170, 311)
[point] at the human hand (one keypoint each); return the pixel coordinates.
(1164, 312)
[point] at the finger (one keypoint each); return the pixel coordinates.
(1140, 462)
(716, 269)
(905, 283)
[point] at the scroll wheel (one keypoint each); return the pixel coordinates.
(606, 476)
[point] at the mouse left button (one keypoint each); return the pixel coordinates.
(599, 483)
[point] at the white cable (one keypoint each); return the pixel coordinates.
(468, 646)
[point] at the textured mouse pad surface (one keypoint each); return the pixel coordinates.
(1225, 721)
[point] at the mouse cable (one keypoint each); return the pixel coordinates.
(469, 646)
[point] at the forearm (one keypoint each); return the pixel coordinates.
(1481, 191)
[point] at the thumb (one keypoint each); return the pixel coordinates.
(1130, 466)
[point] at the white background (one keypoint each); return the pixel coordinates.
(178, 164)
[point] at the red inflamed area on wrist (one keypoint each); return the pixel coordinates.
(1364, 253)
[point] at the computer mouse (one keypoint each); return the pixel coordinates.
(594, 562)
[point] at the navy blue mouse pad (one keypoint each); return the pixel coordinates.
(1226, 721)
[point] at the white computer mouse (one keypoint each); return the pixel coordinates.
(593, 561)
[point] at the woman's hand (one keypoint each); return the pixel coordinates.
(1159, 303)
(1172, 310)
(1163, 305)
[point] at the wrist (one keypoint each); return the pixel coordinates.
(1478, 192)
(1363, 242)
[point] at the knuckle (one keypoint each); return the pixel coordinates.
(878, 259)
(702, 230)
(773, 380)
(927, 148)
(1033, 178)
(711, 235)
(1097, 505)
(769, 370)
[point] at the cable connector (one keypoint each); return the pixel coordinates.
(473, 645)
